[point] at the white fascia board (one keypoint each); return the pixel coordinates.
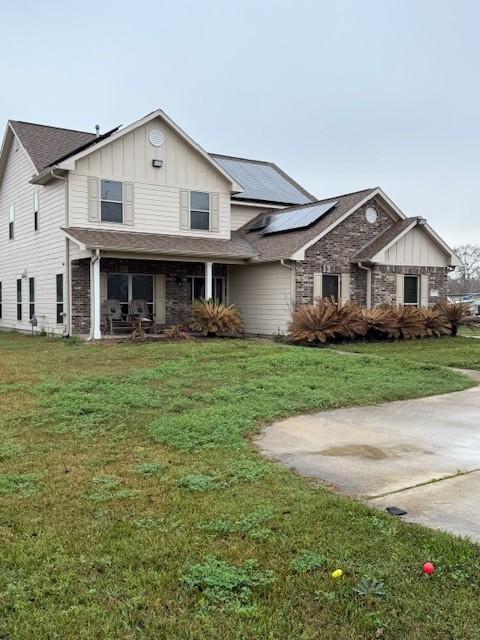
(455, 260)
(300, 253)
(80, 245)
(69, 163)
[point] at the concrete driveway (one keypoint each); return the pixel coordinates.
(420, 455)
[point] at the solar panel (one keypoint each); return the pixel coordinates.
(298, 219)
(261, 223)
(262, 182)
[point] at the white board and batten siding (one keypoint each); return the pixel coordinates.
(35, 254)
(155, 193)
(415, 248)
(264, 294)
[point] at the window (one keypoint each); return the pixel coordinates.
(111, 201)
(60, 315)
(199, 210)
(11, 222)
(410, 290)
(196, 288)
(125, 287)
(330, 286)
(35, 211)
(19, 299)
(31, 292)
(0, 300)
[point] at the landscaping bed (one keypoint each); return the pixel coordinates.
(132, 505)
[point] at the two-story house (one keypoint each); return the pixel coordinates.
(144, 212)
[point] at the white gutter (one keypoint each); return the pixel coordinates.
(369, 284)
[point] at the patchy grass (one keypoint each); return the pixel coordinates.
(459, 352)
(144, 513)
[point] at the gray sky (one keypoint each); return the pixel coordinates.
(342, 95)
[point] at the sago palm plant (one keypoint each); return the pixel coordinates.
(457, 314)
(382, 322)
(436, 323)
(326, 320)
(213, 318)
(412, 322)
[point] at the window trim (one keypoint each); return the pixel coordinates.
(19, 300)
(417, 278)
(122, 201)
(338, 276)
(197, 210)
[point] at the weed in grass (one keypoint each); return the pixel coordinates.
(25, 484)
(226, 586)
(368, 587)
(10, 450)
(250, 525)
(199, 482)
(307, 561)
(148, 469)
(161, 524)
(107, 488)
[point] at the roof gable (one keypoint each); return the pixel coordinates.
(263, 181)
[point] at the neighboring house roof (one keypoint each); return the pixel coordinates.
(45, 144)
(237, 247)
(276, 246)
(263, 181)
(384, 239)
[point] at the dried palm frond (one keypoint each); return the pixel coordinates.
(457, 313)
(384, 320)
(326, 320)
(216, 318)
(436, 323)
(178, 332)
(412, 322)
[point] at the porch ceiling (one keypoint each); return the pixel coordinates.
(137, 242)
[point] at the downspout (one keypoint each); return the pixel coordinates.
(369, 284)
(67, 288)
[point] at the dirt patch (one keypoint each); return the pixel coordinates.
(373, 453)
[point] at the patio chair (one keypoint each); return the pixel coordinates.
(141, 317)
(112, 312)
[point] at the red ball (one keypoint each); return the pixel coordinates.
(429, 568)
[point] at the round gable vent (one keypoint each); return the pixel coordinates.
(371, 215)
(156, 138)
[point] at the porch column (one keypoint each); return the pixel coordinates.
(208, 280)
(95, 293)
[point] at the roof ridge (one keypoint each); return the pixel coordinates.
(253, 160)
(50, 126)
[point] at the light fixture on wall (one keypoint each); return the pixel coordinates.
(24, 274)
(157, 164)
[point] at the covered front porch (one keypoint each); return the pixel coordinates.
(164, 289)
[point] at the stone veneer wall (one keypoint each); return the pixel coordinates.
(332, 254)
(176, 305)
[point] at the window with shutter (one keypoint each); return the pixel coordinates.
(330, 288)
(410, 290)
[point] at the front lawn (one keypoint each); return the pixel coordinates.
(449, 352)
(133, 506)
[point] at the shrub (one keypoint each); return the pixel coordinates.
(382, 321)
(216, 318)
(436, 323)
(326, 319)
(457, 314)
(412, 322)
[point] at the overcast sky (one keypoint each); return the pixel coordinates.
(342, 95)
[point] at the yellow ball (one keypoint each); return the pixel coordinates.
(338, 573)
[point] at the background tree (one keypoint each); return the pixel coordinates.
(466, 277)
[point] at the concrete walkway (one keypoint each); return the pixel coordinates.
(420, 455)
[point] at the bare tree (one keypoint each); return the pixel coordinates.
(467, 276)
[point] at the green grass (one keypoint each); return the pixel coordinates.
(459, 352)
(134, 507)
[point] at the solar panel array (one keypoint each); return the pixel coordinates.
(262, 182)
(297, 219)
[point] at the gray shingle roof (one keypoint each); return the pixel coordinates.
(377, 244)
(237, 247)
(263, 181)
(46, 144)
(282, 245)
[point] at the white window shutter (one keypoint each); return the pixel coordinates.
(184, 209)
(345, 287)
(214, 212)
(160, 299)
(103, 286)
(317, 286)
(93, 199)
(128, 203)
(400, 281)
(424, 283)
